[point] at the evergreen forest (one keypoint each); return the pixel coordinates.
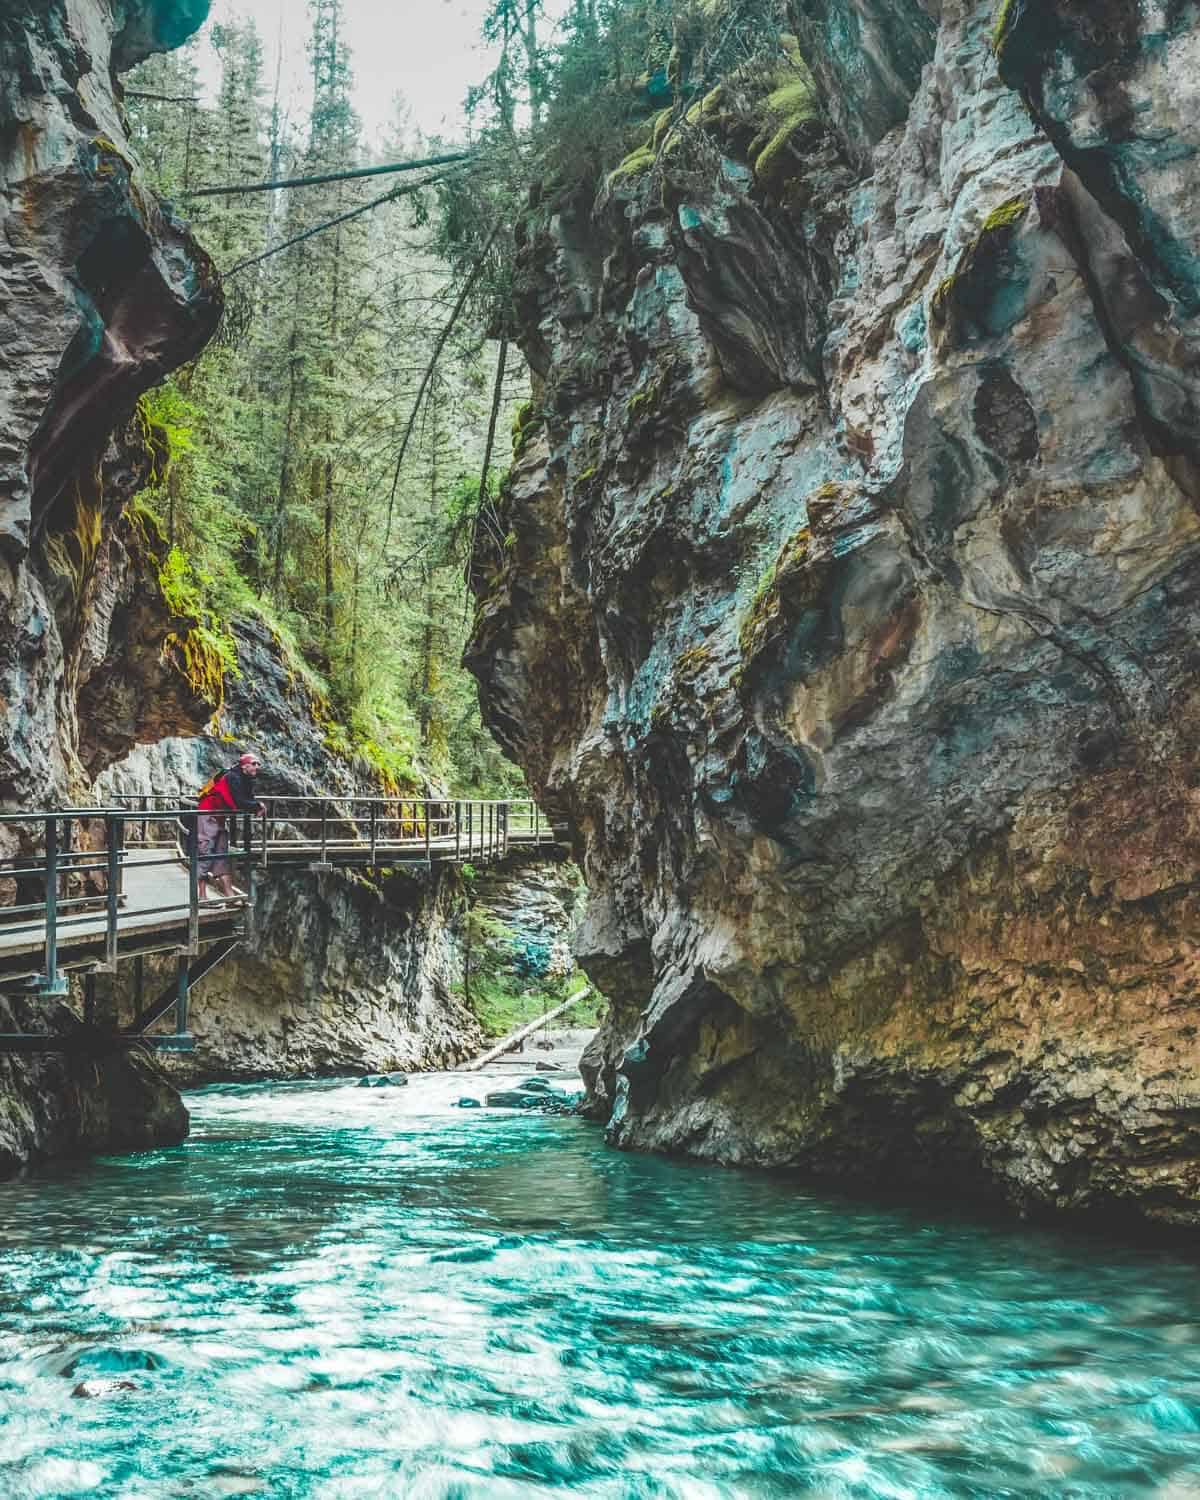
(340, 447)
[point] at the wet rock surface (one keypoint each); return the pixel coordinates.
(102, 292)
(866, 674)
(72, 1106)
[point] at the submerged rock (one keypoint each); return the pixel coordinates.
(851, 607)
(515, 1099)
(535, 1095)
(383, 1081)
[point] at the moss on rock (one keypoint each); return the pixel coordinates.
(526, 424)
(973, 279)
(766, 606)
(785, 110)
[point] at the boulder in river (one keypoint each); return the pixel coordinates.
(466, 1102)
(516, 1099)
(89, 1390)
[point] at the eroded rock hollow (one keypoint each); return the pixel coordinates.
(853, 609)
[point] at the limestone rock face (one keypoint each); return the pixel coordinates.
(102, 292)
(55, 1106)
(342, 975)
(853, 609)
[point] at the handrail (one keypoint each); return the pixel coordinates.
(74, 877)
(74, 863)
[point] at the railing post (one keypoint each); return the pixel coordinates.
(181, 995)
(265, 835)
(51, 904)
(113, 826)
(374, 832)
(504, 826)
(194, 893)
(458, 833)
(247, 847)
(537, 824)
(427, 856)
(324, 828)
(252, 907)
(145, 817)
(470, 829)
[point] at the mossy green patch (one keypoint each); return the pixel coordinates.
(198, 654)
(690, 663)
(637, 162)
(526, 423)
(972, 282)
(1009, 213)
(784, 110)
(70, 550)
(1002, 26)
(766, 605)
(647, 399)
(206, 652)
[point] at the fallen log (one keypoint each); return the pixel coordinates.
(517, 1037)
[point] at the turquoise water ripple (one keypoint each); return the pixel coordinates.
(333, 1292)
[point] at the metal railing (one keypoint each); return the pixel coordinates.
(69, 884)
(366, 829)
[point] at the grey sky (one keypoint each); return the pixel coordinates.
(428, 50)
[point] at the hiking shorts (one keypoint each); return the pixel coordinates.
(212, 846)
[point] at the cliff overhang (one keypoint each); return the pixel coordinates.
(851, 604)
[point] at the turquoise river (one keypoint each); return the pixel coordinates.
(338, 1292)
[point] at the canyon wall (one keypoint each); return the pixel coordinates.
(102, 292)
(852, 605)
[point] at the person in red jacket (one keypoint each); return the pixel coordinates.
(228, 793)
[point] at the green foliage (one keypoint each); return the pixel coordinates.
(275, 480)
(503, 1001)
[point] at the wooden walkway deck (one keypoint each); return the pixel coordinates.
(154, 917)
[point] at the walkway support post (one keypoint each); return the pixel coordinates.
(193, 943)
(181, 994)
(51, 904)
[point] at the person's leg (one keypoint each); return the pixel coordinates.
(208, 830)
(221, 867)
